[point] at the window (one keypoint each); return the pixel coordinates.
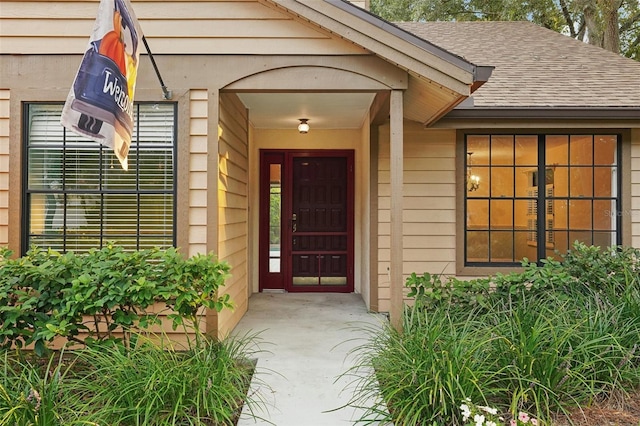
(533, 196)
(76, 194)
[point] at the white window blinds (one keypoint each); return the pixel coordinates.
(77, 195)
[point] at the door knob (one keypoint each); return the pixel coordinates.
(294, 224)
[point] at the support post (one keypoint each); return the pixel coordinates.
(213, 176)
(396, 180)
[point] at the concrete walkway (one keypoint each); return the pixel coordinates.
(306, 339)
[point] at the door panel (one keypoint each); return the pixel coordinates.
(316, 222)
(320, 227)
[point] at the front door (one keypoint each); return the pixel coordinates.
(306, 221)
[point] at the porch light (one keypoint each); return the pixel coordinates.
(303, 127)
(472, 181)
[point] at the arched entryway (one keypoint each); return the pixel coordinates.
(340, 98)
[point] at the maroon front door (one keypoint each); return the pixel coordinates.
(306, 230)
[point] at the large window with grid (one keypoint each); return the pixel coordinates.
(76, 195)
(533, 195)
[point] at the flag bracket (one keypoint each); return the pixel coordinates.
(166, 93)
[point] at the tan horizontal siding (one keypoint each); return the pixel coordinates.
(433, 267)
(421, 241)
(230, 215)
(230, 231)
(421, 177)
(4, 167)
(419, 229)
(420, 254)
(423, 190)
(228, 318)
(189, 27)
(233, 246)
(429, 243)
(198, 28)
(233, 201)
(163, 332)
(421, 216)
(433, 203)
(145, 9)
(421, 164)
(233, 186)
(233, 222)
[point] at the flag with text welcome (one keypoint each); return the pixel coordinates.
(100, 102)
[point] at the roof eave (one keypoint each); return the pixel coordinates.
(537, 117)
(387, 41)
(480, 74)
(402, 34)
(551, 113)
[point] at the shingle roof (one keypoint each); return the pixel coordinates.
(536, 67)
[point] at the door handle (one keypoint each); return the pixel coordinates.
(294, 224)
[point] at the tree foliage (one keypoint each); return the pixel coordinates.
(611, 24)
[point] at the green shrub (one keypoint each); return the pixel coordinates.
(143, 384)
(538, 342)
(613, 271)
(47, 294)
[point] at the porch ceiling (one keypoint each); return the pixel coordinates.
(324, 110)
(425, 102)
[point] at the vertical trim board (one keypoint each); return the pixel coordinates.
(4, 167)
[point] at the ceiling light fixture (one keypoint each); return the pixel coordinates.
(303, 127)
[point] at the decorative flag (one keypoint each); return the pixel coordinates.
(100, 102)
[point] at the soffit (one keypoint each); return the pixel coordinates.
(324, 110)
(389, 42)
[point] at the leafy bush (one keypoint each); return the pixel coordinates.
(541, 341)
(612, 271)
(47, 294)
(430, 290)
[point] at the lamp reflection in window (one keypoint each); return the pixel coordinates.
(472, 181)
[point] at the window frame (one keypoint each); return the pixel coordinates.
(621, 199)
(104, 154)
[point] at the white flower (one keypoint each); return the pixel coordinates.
(489, 410)
(466, 412)
(491, 423)
(479, 419)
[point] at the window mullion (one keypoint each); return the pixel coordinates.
(618, 199)
(541, 200)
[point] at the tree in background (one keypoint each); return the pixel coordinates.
(611, 24)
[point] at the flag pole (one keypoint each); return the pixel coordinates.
(167, 93)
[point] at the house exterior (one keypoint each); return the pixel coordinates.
(427, 150)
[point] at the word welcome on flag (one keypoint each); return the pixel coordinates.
(100, 102)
